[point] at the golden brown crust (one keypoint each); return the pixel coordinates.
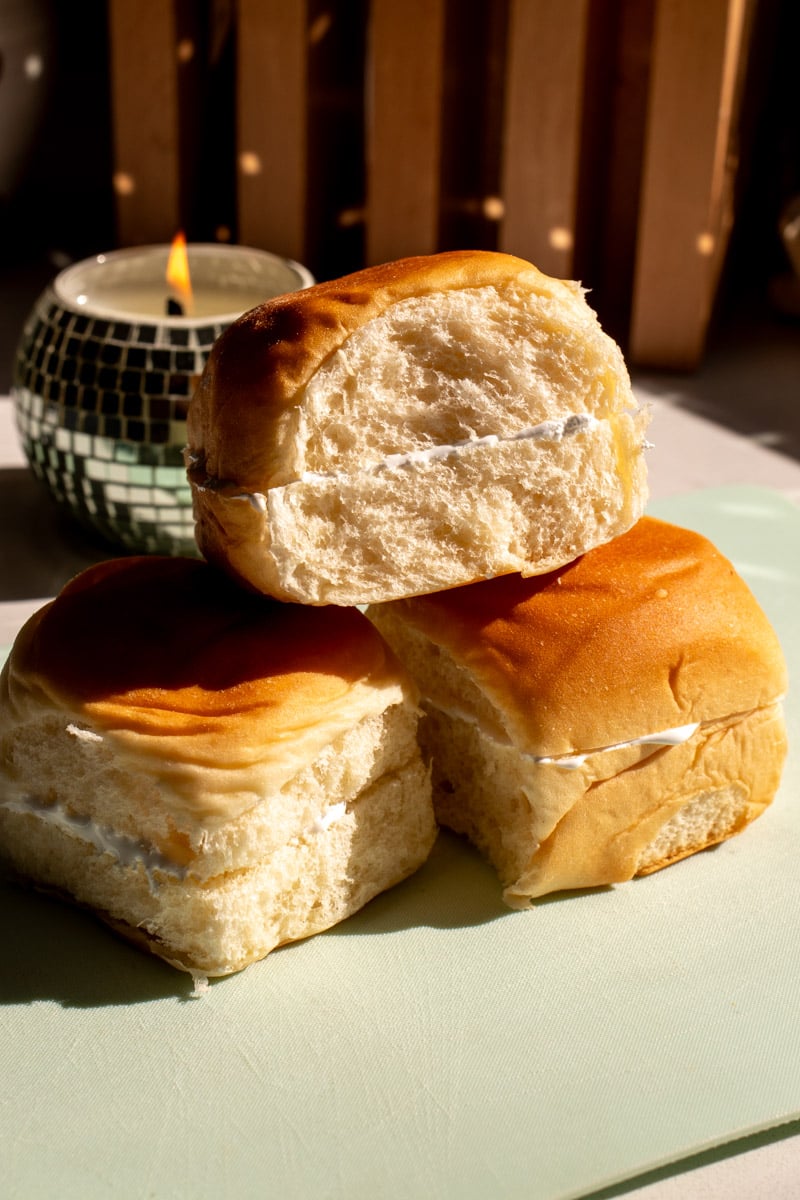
(169, 647)
(651, 631)
(262, 361)
(733, 769)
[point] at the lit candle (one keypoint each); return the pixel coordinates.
(130, 284)
(104, 375)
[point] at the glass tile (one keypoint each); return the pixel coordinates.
(165, 477)
(154, 383)
(178, 385)
(130, 381)
(96, 470)
(141, 475)
(158, 408)
(136, 430)
(107, 377)
(159, 432)
(124, 452)
(139, 495)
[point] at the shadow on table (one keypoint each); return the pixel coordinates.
(41, 547)
(56, 952)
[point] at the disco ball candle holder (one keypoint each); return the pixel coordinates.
(103, 378)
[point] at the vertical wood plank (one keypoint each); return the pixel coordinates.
(145, 120)
(272, 112)
(741, 20)
(611, 173)
(405, 81)
(542, 130)
(683, 220)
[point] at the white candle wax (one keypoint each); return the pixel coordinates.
(150, 300)
(226, 281)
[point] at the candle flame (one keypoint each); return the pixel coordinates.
(178, 276)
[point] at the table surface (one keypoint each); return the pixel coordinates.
(40, 550)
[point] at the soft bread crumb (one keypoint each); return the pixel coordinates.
(201, 986)
(332, 504)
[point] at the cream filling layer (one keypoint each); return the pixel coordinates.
(546, 431)
(675, 736)
(129, 851)
(126, 850)
(666, 737)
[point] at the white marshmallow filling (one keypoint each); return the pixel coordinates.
(546, 431)
(128, 851)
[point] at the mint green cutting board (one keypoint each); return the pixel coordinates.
(437, 1045)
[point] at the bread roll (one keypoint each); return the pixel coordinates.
(412, 427)
(601, 721)
(212, 771)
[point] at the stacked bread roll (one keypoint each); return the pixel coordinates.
(453, 441)
(228, 756)
(213, 772)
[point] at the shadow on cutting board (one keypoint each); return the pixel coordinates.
(58, 952)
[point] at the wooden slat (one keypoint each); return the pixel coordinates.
(272, 114)
(610, 187)
(542, 129)
(145, 120)
(405, 50)
(726, 159)
(684, 217)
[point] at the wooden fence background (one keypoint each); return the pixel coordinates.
(598, 138)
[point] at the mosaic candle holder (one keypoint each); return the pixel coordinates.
(103, 379)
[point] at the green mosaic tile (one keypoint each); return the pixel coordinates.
(101, 408)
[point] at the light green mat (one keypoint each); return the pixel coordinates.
(436, 1045)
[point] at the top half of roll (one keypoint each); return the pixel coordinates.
(218, 694)
(415, 393)
(652, 632)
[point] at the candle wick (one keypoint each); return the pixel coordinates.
(174, 307)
